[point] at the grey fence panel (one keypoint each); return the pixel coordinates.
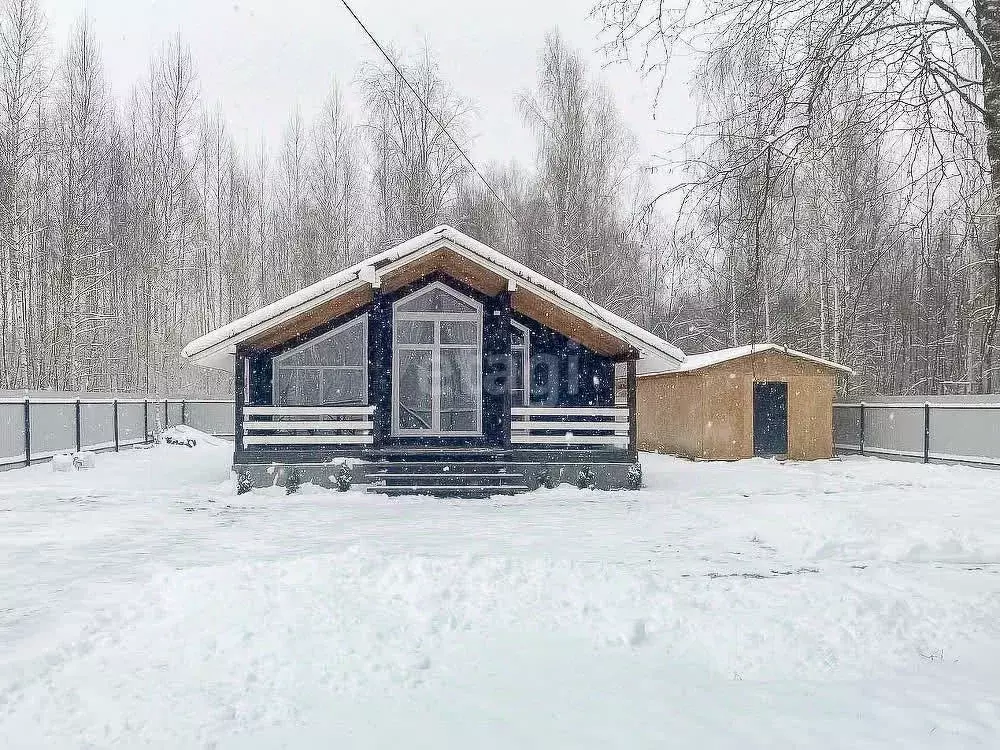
(53, 428)
(847, 427)
(897, 430)
(213, 417)
(964, 430)
(53, 421)
(970, 434)
(130, 419)
(157, 417)
(11, 432)
(174, 413)
(97, 425)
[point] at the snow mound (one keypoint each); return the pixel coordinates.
(62, 462)
(181, 434)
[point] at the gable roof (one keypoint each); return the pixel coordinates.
(217, 348)
(700, 361)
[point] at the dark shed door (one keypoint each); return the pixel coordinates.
(770, 419)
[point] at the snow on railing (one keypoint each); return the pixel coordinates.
(562, 426)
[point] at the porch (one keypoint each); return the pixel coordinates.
(541, 446)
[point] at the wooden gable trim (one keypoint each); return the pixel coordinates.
(308, 321)
(480, 274)
(569, 325)
(450, 263)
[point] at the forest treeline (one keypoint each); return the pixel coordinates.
(130, 224)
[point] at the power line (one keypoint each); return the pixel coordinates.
(431, 113)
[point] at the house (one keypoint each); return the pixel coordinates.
(760, 400)
(439, 366)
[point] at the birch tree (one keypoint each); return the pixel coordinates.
(416, 168)
(82, 120)
(584, 155)
(336, 187)
(23, 79)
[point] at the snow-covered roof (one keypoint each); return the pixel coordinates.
(700, 361)
(217, 348)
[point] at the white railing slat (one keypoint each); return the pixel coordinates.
(301, 411)
(330, 425)
(569, 426)
(308, 439)
(568, 411)
(571, 439)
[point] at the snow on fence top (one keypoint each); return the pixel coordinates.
(216, 348)
(700, 361)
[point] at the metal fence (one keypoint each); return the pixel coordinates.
(961, 431)
(37, 428)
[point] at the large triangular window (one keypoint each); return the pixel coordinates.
(437, 298)
(330, 370)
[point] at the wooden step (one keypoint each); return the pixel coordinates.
(442, 474)
(447, 478)
(450, 490)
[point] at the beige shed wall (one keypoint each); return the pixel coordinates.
(669, 414)
(714, 418)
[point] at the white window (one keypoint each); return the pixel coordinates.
(437, 363)
(520, 392)
(330, 370)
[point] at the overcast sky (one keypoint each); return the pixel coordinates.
(259, 60)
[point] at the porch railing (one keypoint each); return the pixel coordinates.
(570, 426)
(307, 425)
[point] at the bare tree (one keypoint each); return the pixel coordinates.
(336, 187)
(585, 230)
(23, 80)
(82, 121)
(416, 167)
(802, 78)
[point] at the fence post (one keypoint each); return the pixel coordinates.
(927, 432)
(145, 420)
(184, 412)
(115, 413)
(27, 432)
(166, 414)
(861, 435)
(79, 442)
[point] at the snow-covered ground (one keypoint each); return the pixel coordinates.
(841, 604)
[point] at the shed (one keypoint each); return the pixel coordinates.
(758, 400)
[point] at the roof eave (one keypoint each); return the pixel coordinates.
(198, 357)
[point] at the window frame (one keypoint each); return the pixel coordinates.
(360, 320)
(525, 363)
(435, 348)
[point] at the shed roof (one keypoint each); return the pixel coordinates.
(217, 348)
(700, 361)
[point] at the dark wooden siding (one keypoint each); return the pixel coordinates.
(496, 363)
(380, 366)
(564, 373)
